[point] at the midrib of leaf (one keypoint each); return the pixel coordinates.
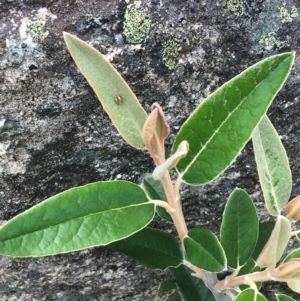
(207, 252)
(274, 204)
(74, 219)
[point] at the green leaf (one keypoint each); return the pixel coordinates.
(276, 244)
(152, 248)
(175, 297)
(82, 217)
(281, 297)
(294, 254)
(190, 288)
(294, 283)
(223, 123)
(264, 233)
(204, 250)
(273, 166)
(155, 191)
(239, 229)
(165, 286)
(116, 97)
(250, 295)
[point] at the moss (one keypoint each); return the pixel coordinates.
(37, 30)
(170, 53)
(235, 6)
(287, 16)
(137, 24)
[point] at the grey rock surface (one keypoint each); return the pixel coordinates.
(54, 134)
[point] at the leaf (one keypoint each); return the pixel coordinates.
(165, 286)
(82, 217)
(171, 162)
(273, 166)
(116, 97)
(250, 295)
(152, 248)
(293, 208)
(239, 229)
(204, 250)
(294, 283)
(175, 297)
(223, 123)
(155, 132)
(281, 297)
(287, 270)
(190, 288)
(294, 254)
(155, 191)
(276, 244)
(264, 232)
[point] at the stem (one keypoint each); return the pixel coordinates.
(262, 276)
(211, 280)
(294, 233)
(174, 202)
(163, 204)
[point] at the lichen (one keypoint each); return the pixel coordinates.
(37, 30)
(170, 53)
(235, 6)
(288, 16)
(89, 17)
(270, 41)
(137, 24)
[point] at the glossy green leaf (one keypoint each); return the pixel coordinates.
(281, 297)
(155, 191)
(224, 122)
(276, 244)
(116, 97)
(294, 254)
(239, 229)
(273, 166)
(204, 250)
(152, 248)
(250, 295)
(190, 287)
(164, 287)
(264, 233)
(82, 217)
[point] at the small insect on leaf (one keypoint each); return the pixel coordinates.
(118, 99)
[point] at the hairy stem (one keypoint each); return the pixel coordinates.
(231, 282)
(174, 202)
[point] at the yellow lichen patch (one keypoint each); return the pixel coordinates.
(270, 41)
(170, 53)
(234, 6)
(287, 16)
(37, 30)
(137, 24)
